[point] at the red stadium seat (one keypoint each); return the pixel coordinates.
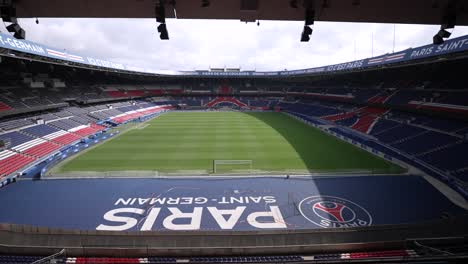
(4, 107)
(13, 162)
(66, 139)
(42, 150)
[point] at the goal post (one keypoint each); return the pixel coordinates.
(232, 166)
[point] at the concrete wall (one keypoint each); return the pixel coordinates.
(20, 239)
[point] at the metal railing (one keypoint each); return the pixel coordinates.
(49, 258)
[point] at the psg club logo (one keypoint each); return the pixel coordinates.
(332, 212)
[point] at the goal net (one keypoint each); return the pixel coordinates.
(232, 166)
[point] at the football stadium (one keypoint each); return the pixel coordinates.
(363, 161)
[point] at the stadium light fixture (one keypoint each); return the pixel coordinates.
(19, 33)
(437, 40)
(160, 13)
(449, 23)
(309, 20)
(163, 34)
(444, 33)
(13, 28)
(440, 36)
(8, 14)
(305, 37)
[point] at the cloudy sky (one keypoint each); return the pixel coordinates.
(200, 44)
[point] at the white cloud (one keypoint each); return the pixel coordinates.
(199, 44)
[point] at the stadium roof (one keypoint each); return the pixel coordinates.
(22, 48)
(381, 11)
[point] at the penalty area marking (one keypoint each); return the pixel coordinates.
(55, 169)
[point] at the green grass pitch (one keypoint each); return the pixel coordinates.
(190, 141)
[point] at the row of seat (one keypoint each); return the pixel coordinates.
(138, 113)
(103, 260)
(400, 253)
(12, 162)
(15, 138)
(66, 139)
(117, 94)
(247, 259)
(42, 149)
(37, 147)
(40, 130)
(310, 108)
(366, 255)
(19, 259)
(92, 129)
(444, 150)
(41, 140)
(32, 148)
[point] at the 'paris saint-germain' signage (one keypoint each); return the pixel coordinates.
(228, 213)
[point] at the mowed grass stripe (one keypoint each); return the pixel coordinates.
(192, 140)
